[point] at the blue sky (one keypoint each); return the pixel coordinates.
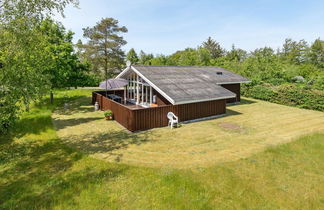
(165, 26)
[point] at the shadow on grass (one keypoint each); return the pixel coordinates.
(242, 102)
(37, 175)
(39, 171)
(63, 123)
(94, 142)
(107, 143)
(230, 112)
(81, 104)
(246, 101)
(29, 125)
(38, 119)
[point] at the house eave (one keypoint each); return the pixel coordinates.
(168, 97)
(123, 72)
(203, 100)
(227, 83)
(148, 81)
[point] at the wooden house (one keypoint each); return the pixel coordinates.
(153, 91)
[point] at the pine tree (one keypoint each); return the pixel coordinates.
(214, 48)
(104, 45)
(132, 56)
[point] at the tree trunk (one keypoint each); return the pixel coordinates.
(51, 97)
(106, 60)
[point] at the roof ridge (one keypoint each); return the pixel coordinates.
(177, 66)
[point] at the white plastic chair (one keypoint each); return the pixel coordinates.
(172, 119)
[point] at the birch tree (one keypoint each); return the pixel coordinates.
(23, 54)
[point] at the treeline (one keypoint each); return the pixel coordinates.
(36, 56)
(292, 75)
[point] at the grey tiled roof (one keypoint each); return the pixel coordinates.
(188, 84)
(207, 73)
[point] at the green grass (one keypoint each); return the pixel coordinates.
(38, 171)
(247, 128)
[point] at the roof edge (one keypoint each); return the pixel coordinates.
(147, 80)
(203, 100)
(168, 97)
(154, 86)
(225, 83)
(123, 72)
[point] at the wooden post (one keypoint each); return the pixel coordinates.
(146, 94)
(142, 95)
(127, 88)
(125, 94)
(151, 94)
(134, 86)
(137, 88)
(131, 91)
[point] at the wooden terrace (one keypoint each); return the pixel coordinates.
(136, 117)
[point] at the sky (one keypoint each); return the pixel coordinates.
(165, 26)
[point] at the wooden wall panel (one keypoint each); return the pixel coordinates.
(157, 116)
(160, 100)
(153, 117)
(235, 88)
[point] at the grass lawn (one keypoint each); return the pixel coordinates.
(247, 128)
(39, 170)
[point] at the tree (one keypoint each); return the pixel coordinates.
(23, 52)
(317, 53)
(132, 56)
(104, 46)
(204, 56)
(188, 57)
(213, 47)
(295, 52)
(236, 54)
(31, 11)
(159, 60)
(144, 58)
(263, 65)
(67, 69)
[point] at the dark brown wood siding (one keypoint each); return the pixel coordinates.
(235, 88)
(153, 117)
(157, 116)
(121, 113)
(160, 100)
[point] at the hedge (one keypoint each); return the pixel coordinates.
(291, 95)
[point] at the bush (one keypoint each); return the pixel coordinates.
(277, 81)
(259, 92)
(300, 96)
(287, 94)
(108, 113)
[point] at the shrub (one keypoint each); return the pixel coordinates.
(259, 92)
(300, 96)
(108, 113)
(277, 81)
(288, 94)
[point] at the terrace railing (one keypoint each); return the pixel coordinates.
(153, 117)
